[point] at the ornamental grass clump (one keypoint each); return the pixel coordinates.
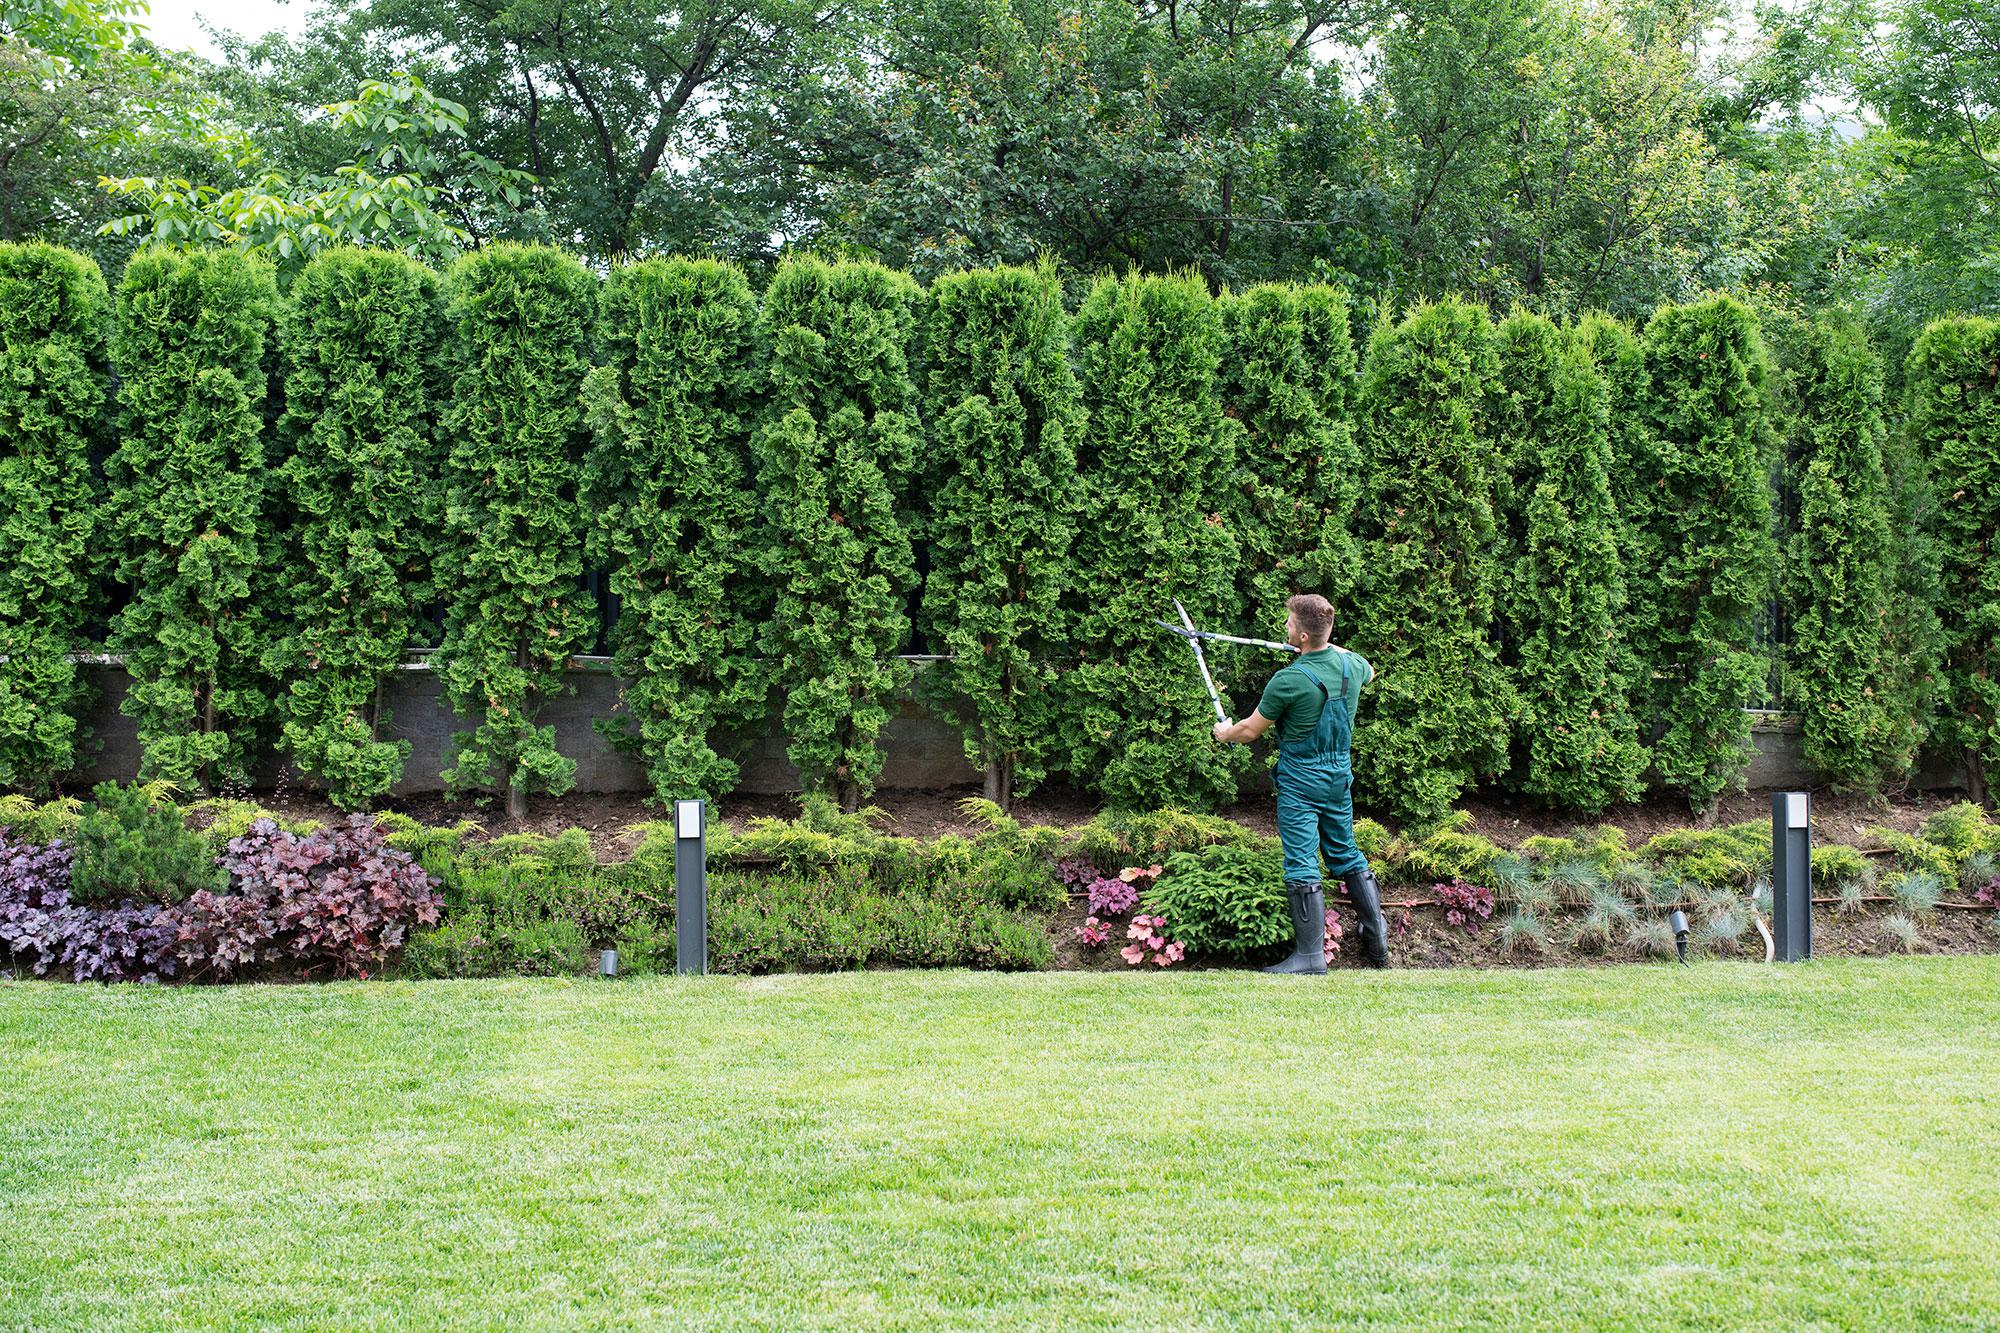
(54, 315)
(1918, 892)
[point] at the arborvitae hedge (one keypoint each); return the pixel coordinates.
(1155, 460)
(674, 515)
(1710, 516)
(839, 431)
(186, 510)
(1580, 747)
(1953, 382)
(1838, 570)
(1001, 521)
(1288, 377)
(1440, 711)
(362, 480)
(1529, 352)
(512, 557)
(1620, 359)
(53, 314)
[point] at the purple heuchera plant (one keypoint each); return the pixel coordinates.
(41, 928)
(1075, 872)
(1112, 897)
(1465, 904)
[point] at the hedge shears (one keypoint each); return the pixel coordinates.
(1194, 637)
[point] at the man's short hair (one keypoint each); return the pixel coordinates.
(1314, 614)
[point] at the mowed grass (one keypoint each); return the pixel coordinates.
(1637, 1147)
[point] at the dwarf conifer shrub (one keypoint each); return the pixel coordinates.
(520, 319)
(186, 512)
(840, 433)
(1288, 377)
(1707, 405)
(362, 341)
(53, 311)
(1953, 380)
(1439, 713)
(1579, 745)
(1156, 460)
(1838, 570)
(132, 843)
(1002, 519)
(674, 516)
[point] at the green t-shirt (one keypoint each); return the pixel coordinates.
(1290, 700)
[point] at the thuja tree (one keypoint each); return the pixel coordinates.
(840, 428)
(1529, 352)
(1288, 378)
(362, 341)
(1838, 568)
(520, 324)
(1439, 714)
(1633, 463)
(1710, 518)
(1155, 459)
(53, 309)
(186, 510)
(1579, 746)
(1004, 437)
(1953, 386)
(674, 516)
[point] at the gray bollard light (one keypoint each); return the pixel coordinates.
(1791, 876)
(691, 888)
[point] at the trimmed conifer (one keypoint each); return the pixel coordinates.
(674, 516)
(54, 309)
(520, 318)
(840, 428)
(186, 509)
(1580, 749)
(1953, 383)
(1288, 378)
(362, 343)
(1002, 520)
(1439, 714)
(1156, 459)
(1710, 519)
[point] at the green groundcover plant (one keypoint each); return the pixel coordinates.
(54, 312)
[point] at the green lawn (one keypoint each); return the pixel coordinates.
(1637, 1147)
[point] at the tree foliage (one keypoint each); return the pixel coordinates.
(1579, 747)
(1439, 713)
(1707, 404)
(1289, 377)
(1954, 424)
(362, 342)
(839, 436)
(53, 314)
(520, 320)
(674, 518)
(185, 515)
(1155, 459)
(1008, 417)
(1619, 357)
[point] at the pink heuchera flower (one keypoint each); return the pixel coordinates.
(1093, 932)
(1134, 954)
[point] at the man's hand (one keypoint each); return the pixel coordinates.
(1242, 733)
(1222, 730)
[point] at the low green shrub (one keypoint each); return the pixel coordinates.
(1919, 854)
(1963, 829)
(1224, 899)
(1837, 865)
(1446, 855)
(1118, 838)
(1713, 858)
(132, 842)
(40, 824)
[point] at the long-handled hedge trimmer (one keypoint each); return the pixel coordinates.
(1194, 637)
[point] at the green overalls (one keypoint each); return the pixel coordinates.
(1315, 781)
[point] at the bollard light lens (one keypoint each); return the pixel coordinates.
(607, 963)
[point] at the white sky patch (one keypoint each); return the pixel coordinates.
(177, 24)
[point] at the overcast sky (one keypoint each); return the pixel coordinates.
(176, 24)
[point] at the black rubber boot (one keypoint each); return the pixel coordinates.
(1308, 930)
(1367, 900)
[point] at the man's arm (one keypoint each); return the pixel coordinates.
(1242, 733)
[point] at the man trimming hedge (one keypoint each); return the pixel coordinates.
(1311, 702)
